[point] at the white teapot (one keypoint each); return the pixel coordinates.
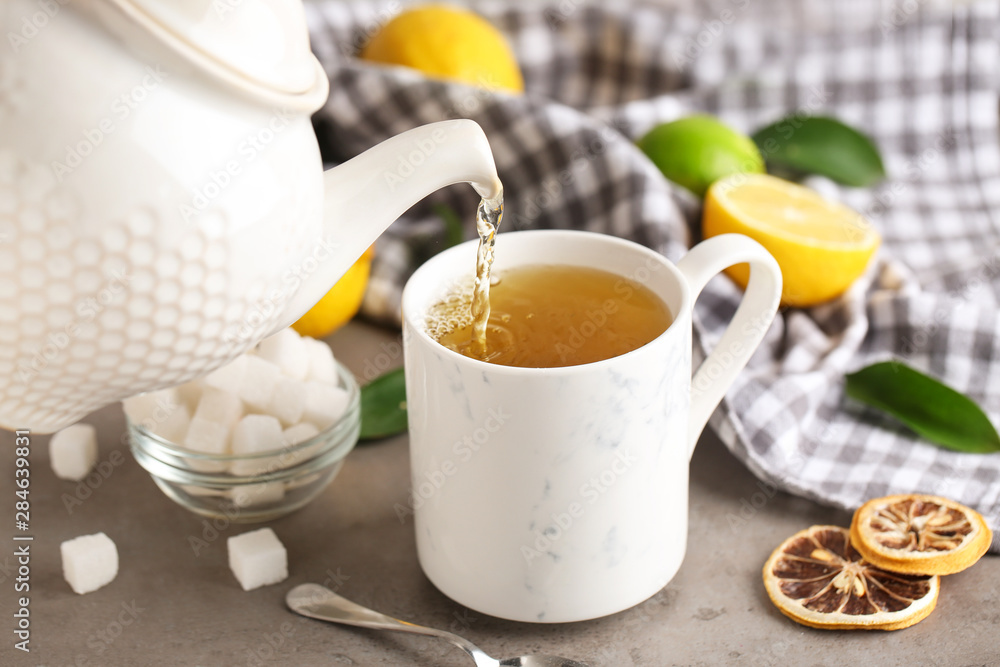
(163, 205)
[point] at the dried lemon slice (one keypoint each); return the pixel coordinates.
(818, 579)
(919, 534)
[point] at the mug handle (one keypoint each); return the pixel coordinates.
(747, 328)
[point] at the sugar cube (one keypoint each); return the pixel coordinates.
(152, 407)
(163, 412)
(286, 351)
(255, 495)
(189, 394)
(288, 401)
(219, 406)
(294, 435)
(257, 558)
(73, 451)
(255, 434)
(258, 383)
(322, 367)
(301, 432)
(207, 436)
(89, 562)
(174, 425)
(229, 377)
(324, 404)
(202, 491)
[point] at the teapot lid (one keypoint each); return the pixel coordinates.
(257, 44)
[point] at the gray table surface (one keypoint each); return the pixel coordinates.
(171, 606)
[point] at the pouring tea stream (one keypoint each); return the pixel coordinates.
(163, 201)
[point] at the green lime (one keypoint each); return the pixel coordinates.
(698, 150)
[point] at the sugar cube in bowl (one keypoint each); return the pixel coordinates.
(264, 433)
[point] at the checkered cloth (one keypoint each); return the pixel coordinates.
(921, 78)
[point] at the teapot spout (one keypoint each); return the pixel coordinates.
(368, 193)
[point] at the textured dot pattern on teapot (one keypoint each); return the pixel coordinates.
(86, 320)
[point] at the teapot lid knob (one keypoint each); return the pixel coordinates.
(259, 45)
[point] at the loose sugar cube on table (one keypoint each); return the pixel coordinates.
(288, 401)
(287, 351)
(257, 558)
(73, 451)
(322, 367)
(324, 404)
(221, 407)
(255, 434)
(258, 383)
(229, 377)
(89, 562)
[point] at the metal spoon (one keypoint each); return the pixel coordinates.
(321, 603)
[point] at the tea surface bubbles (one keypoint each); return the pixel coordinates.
(553, 315)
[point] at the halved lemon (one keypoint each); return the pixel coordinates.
(818, 579)
(821, 246)
(919, 534)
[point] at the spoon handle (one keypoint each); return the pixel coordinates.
(321, 603)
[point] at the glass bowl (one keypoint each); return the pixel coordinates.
(266, 485)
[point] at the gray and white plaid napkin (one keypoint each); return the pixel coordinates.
(921, 78)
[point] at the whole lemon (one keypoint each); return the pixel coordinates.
(449, 43)
(696, 151)
(341, 303)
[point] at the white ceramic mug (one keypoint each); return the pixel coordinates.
(560, 494)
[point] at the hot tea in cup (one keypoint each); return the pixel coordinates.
(550, 486)
(545, 316)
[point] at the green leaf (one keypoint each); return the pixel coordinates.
(383, 406)
(823, 146)
(934, 410)
(452, 225)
